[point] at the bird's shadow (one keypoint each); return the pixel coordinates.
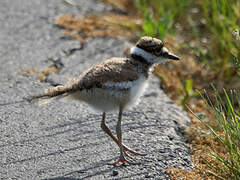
(84, 173)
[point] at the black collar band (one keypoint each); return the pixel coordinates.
(140, 59)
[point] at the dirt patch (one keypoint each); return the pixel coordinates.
(98, 25)
(54, 67)
(126, 6)
(42, 74)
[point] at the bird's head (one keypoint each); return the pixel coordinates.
(152, 50)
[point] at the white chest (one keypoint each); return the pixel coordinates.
(113, 94)
(134, 89)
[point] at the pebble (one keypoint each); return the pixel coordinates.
(115, 173)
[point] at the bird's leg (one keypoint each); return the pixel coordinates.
(122, 159)
(108, 131)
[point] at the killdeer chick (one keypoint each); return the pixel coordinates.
(115, 84)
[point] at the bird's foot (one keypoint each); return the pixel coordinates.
(124, 161)
(127, 149)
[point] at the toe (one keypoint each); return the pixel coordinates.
(124, 162)
(126, 149)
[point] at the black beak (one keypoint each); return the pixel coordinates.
(168, 55)
(172, 56)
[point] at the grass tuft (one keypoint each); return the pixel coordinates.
(226, 132)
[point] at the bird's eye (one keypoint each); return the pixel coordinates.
(158, 52)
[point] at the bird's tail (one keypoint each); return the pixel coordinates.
(51, 92)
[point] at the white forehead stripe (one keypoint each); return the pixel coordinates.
(164, 49)
(140, 52)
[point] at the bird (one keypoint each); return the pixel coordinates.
(115, 84)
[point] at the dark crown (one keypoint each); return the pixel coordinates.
(150, 44)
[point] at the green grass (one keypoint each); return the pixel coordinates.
(222, 17)
(187, 93)
(226, 110)
(160, 15)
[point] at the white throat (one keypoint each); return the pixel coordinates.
(145, 55)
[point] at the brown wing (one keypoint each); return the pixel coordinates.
(110, 70)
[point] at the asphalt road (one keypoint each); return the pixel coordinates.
(63, 139)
